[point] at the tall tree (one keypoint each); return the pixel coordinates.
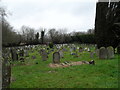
(42, 35)
(107, 14)
(37, 37)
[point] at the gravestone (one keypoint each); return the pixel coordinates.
(33, 57)
(88, 50)
(71, 50)
(21, 53)
(6, 73)
(14, 54)
(26, 53)
(44, 55)
(110, 52)
(56, 57)
(102, 53)
(97, 52)
(92, 54)
(61, 54)
(64, 49)
(85, 49)
(118, 49)
(74, 48)
(80, 49)
(40, 51)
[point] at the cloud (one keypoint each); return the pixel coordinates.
(71, 14)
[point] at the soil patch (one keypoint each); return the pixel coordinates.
(67, 64)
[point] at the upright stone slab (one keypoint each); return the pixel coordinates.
(56, 57)
(44, 55)
(26, 53)
(6, 72)
(92, 54)
(97, 52)
(61, 54)
(102, 53)
(74, 48)
(14, 54)
(71, 49)
(118, 49)
(110, 52)
(80, 49)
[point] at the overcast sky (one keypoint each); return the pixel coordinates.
(74, 15)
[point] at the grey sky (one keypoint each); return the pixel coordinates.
(74, 15)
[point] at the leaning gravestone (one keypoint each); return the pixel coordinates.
(102, 53)
(56, 57)
(44, 55)
(110, 52)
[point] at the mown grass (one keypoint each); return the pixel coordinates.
(104, 74)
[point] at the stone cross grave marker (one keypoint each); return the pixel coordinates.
(56, 57)
(102, 53)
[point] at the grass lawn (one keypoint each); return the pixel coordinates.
(104, 74)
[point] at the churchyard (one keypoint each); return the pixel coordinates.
(63, 66)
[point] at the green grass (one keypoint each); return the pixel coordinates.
(104, 74)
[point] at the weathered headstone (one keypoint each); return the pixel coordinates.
(14, 54)
(64, 49)
(102, 53)
(97, 52)
(33, 57)
(56, 57)
(92, 54)
(26, 53)
(61, 54)
(40, 51)
(80, 49)
(118, 49)
(74, 48)
(88, 50)
(21, 53)
(110, 52)
(6, 73)
(44, 55)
